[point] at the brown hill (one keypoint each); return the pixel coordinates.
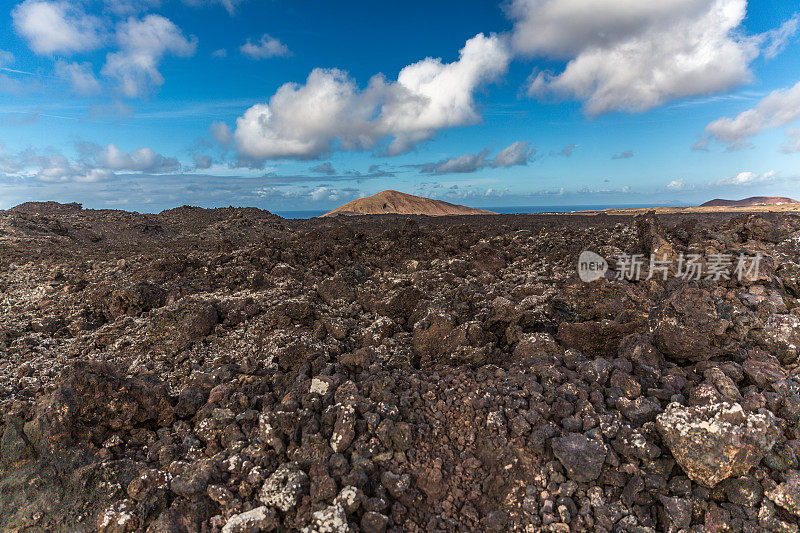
(750, 202)
(398, 203)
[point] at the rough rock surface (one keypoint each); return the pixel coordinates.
(716, 441)
(228, 370)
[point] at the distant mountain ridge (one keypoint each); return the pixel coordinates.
(398, 203)
(749, 202)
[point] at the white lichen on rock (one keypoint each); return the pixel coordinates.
(258, 519)
(284, 487)
(714, 442)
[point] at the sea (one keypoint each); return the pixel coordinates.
(506, 210)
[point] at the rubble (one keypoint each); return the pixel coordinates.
(228, 370)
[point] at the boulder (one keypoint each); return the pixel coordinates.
(686, 325)
(582, 457)
(714, 442)
(258, 519)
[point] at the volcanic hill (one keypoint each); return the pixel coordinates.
(750, 202)
(398, 203)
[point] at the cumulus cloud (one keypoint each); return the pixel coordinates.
(57, 168)
(776, 110)
(140, 160)
(143, 44)
(631, 55)
(266, 47)
(327, 194)
(57, 27)
(518, 153)
(461, 164)
(679, 185)
(749, 178)
(80, 77)
(627, 154)
(330, 112)
(95, 163)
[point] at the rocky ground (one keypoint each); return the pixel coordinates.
(228, 370)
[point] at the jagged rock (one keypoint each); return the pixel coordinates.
(119, 518)
(581, 456)
(686, 325)
(787, 494)
(373, 522)
(717, 441)
(344, 430)
(284, 487)
(258, 519)
(95, 401)
(332, 519)
(782, 336)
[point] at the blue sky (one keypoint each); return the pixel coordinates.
(148, 104)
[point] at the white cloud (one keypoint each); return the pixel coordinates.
(777, 39)
(327, 194)
(266, 47)
(632, 55)
(679, 185)
(749, 178)
(57, 168)
(518, 153)
(330, 112)
(792, 143)
(140, 160)
(57, 27)
(94, 175)
(220, 53)
(143, 44)
(80, 77)
(776, 110)
(94, 164)
(462, 164)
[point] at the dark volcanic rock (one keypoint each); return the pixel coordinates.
(228, 370)
(686, 325)
(581, 456)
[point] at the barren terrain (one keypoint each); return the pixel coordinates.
(228, 370)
